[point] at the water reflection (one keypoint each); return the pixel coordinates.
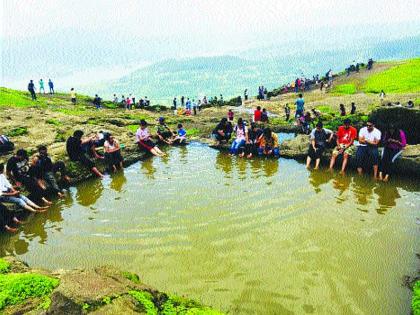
(148, 169)
(341, 183)
(88, 193)
(363, 189)
(318, 178)
(117, 181)
(387, 196)
(224, 162)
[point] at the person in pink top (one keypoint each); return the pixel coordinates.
(230, 115)
(144, 141)
(394, 141)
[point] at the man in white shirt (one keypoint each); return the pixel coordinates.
(367, 151)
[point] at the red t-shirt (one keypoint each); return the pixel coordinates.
(346, 136)
(257, 115)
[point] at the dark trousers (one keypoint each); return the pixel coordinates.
(386, 162)
(33, 94)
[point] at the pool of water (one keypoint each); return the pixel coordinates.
(258, 236)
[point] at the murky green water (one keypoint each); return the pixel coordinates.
(248, 237)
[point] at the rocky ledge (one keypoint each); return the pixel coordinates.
(102, 290)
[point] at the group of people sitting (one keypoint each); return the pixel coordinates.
(164, 135)
(365, 152)
(248, 141)
(37, 176)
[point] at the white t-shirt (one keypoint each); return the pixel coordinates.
(240, 132)
(142, 134)
(4, 184)
(110, 146)
(375, 134)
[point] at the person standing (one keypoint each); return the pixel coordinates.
(230, 115)
(345, 138)
(73, 96)
(246, 94)
(394, 142)
(194, 107)
(133, 101)
(342, 110)
(300, 106)
(287, 111)
(31, 89)
(174, 103)
(41, 86)
(97, 101)
(51, 86)
(367, 151)
(182, 101)
(199, 105)
(353, 108)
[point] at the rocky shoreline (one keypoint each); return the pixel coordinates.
(102, 290)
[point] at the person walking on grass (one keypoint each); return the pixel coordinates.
(51, 86)
(41, 86)
(73, 96)
(31, 89)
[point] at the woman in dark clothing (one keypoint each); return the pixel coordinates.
(223, 131)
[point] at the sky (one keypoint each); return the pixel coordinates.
(196, 18)
(88, 40)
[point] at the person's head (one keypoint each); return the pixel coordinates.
(319, 125)
(230, 110)
(143, 124)
(31, 81)
(161, 120)
(96, 95)
(258, 107)
(223, 121)
(21, 154)
(78, 134)
(240, 121)
(341, 106)
(264, 110)
(353, 104)
(42, 150)
(179, 126)
(370, 125)
(267, 133)
(253, 125)
(300, 95)
(346, 123)
(108, 137)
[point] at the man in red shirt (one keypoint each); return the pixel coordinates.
(345, 138)
(257, 114)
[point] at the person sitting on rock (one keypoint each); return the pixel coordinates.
(113, 156)
(264, 116)
(46, 169)
(346, 135)
(238, 145)
(22, 173)
(8, 221)
(5, 144)
(221, 132)
(269, 144)
(181, 136)
(163, 132)
(252, 145)
(410, 104)
(319, 137)
(144, 140)
(367, 151)
(394, 141)
(78, 154)
(11, 195)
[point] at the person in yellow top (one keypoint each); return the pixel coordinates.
(269, 144)
(73, 96)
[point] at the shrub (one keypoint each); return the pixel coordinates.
(145, 299)
(4, 266)
(19, 131)
(15, 288)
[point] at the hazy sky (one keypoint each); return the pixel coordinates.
(195, 18)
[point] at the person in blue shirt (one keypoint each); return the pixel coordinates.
(51, 86)
(181, 136)
(300, 106)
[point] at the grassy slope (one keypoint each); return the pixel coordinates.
(397, 77)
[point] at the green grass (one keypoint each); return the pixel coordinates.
(404, 78)
(16, 288)
(193, 132)
(4, 266)
(345, 89)
(54, 122)
(18, 131)
(131, 276)
(415, 303)
(9, 97)
(176, 305)
(145, 299)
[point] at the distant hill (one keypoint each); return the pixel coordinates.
(230, 75)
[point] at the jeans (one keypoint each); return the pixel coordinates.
(367, 155)
(21, 200)
(275, 151)
(236, 145)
